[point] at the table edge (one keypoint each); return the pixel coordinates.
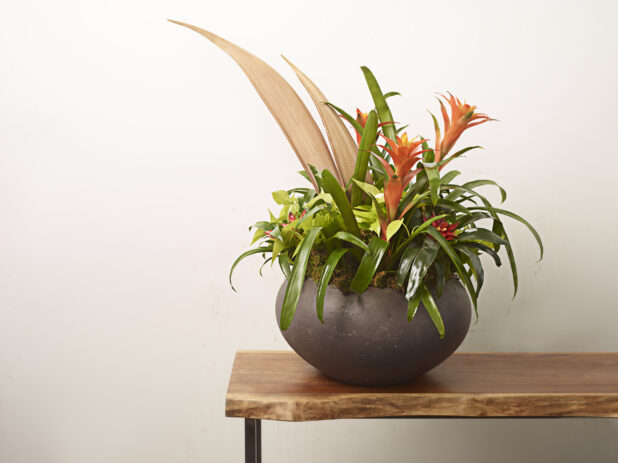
(317, 407)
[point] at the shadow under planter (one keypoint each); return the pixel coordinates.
(367, 340)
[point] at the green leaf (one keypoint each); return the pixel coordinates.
(410, 200)
(432, 310)
(429, 155)
(278, 246)
(480, 234)
(400, 129)
(247, 254)
(449, 176)
(476, 266)
(331, 185)
(417, 231)
(475, 184)
(499, 229)
(264, 263)
(384, 111)
(393, 228)
(329, 268)
(371, 190)
(424, 259)
(390, 94)
(453, 206)
(433, 175)
(282, 197)
(484, 248)
(510, 214)
(405, 263)
(457, 154)
(262, 225)
(350, 238)
(284, 263)
(295, 223)
(471, 217)
(347, 117)
(461, 271)
(297, 278)
(440, 277)
(257, 235)
(413, 304)
(467, 190)
(369, 265)
(362, 159)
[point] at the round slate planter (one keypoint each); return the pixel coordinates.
(366, 339)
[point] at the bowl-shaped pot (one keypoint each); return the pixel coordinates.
(367, 340)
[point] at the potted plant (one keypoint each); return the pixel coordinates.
(381, 251)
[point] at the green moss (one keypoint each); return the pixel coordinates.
(346, 269)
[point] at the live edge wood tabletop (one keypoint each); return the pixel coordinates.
(279, 385)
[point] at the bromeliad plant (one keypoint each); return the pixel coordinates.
(380, 211)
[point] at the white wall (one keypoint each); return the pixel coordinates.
(134, 154)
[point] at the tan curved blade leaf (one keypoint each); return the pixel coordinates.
(284, 104)
(343, 146)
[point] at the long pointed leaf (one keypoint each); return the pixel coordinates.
(449, 176)
(327, 272)
(343, 146)
(432, 310)
(352, 239)
(481, 234)
(413, 304)
(440, 277)
(353, 122)
(510, 214)
(341, 200)
(486, 249)
(417, 231)
(284, 263)
(477, 183)
(433, 175)
(477, 267)
(381, 105)
(423, 260)
(369, 265)
(362, 160)
(285, 105)
(470, 218)
(499, 229)
(405, 263)
(247, 254)
(297, 278)
(444, 162)
(461, 271)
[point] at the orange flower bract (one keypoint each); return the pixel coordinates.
(463, 116)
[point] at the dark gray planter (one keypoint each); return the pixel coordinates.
(367, 340)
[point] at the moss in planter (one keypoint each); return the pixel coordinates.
(346, 269)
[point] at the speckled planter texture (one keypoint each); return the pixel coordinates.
(366, 339)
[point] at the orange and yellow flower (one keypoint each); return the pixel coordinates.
(463, 116)
(405, 153)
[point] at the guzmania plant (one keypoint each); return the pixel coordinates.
(381, 211)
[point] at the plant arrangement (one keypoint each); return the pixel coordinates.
(383, 207)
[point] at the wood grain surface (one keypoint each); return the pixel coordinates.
(279, 385)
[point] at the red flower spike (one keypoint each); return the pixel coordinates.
(446, 230)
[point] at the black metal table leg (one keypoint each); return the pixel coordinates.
(253, 441)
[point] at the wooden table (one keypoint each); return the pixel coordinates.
(279, 385)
